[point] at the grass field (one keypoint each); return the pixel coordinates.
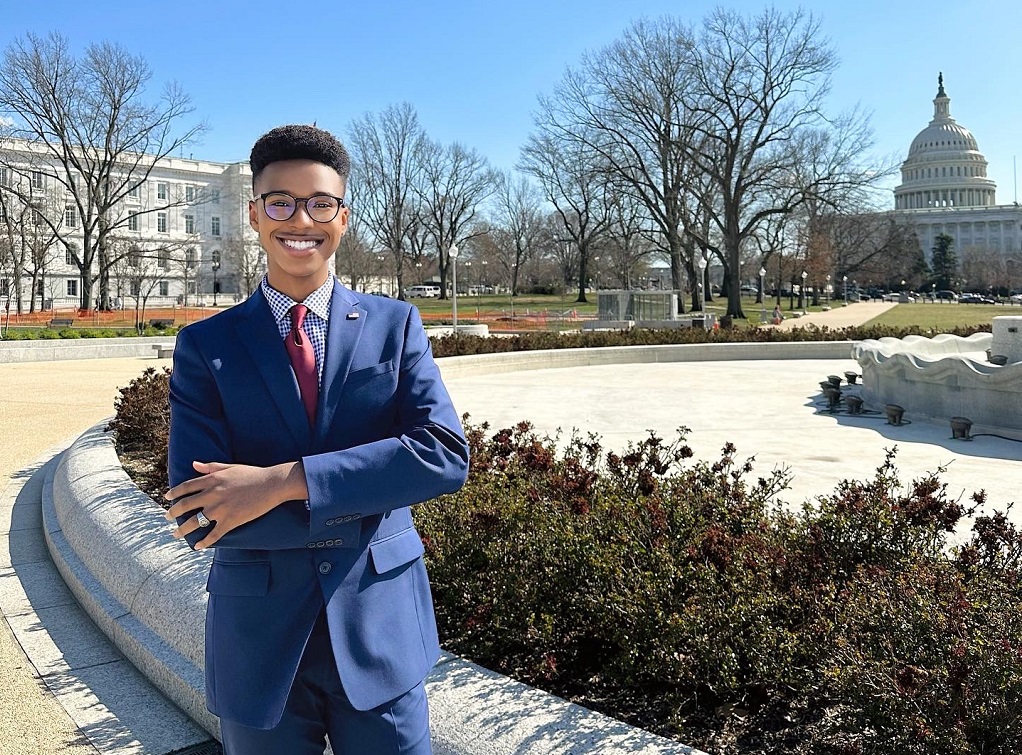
(942, 316)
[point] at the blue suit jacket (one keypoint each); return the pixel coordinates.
(386, 437)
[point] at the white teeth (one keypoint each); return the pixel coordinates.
(299, 245)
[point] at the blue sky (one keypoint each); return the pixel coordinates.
(473, 70)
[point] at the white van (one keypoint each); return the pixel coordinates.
(422, 292)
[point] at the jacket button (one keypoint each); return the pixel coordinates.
(325, 567)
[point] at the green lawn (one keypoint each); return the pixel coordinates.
(942, 316)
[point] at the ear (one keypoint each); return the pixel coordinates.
(253, 215)
(344, 220)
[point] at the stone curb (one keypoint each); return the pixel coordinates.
(52, 350)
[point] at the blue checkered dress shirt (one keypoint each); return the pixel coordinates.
(316, 322)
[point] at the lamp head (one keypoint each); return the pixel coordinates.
(453, 251)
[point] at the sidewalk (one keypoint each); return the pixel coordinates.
(45, 404)
(858, 313)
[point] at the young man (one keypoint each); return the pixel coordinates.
(304, 423)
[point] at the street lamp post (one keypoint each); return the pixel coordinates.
(826, 291)
(216, 283)
(701, 264)
(453, 252)
(468, 277)
(762, 295)
(804, 296)
(844, 279)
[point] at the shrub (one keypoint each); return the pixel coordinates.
(141, 422)
(675, 595)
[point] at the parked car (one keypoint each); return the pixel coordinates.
(422, 292)
(975, 299)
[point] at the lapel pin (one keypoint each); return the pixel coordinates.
(352, 316)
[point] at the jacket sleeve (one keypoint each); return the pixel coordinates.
(426, 454)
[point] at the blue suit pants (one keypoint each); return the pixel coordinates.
(317, 708)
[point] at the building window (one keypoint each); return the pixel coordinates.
(189, 223)
(215, 195)
(190, 257)
(133, 222)
(189, 193)
(133, 192)
(136, 288)
(5, 288)
(164, 288)
(161, 222)
(69, 259)
(71, 217)
(214, 225)
(162, 190)
(37, 217)
(163, 259)
(38, 182)
(72, 287)
(3, 177)
(39, 288)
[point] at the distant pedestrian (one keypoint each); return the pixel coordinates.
(778, 316)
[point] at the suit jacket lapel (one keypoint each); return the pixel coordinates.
(258, 332)
(347, 318)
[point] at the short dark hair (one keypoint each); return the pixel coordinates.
(299, 142)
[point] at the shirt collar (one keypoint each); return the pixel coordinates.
(318, 301)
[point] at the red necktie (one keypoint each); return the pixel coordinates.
(303, 360)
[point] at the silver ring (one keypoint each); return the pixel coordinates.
(202, 520)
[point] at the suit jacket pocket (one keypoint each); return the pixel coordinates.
(360, 376)
(397, 550)
(247, 580)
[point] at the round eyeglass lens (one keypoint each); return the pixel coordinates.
(322, 208)
(279, 206)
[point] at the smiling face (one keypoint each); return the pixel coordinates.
(298, 249)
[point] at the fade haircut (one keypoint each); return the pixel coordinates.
(298, 142)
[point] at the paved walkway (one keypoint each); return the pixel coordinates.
(857, 313)
(766, 408)
(42, 405)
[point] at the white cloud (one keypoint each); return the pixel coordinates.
(5, 121)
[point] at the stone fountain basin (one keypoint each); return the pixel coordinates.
(948, 376)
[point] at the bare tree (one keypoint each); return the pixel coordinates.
(453, 183)
(141, 269)
(247, 259)
(518, 222)
(92, 131)
(575, 184)
(384, 148)
(29, 238)
(626, 104)
(756, 106)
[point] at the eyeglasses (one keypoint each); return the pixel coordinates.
(322, 208)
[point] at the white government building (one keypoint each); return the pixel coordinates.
(192, 215)
(944, 189)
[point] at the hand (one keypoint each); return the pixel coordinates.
(230, 495)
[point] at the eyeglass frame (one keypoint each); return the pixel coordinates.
(305, 201)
